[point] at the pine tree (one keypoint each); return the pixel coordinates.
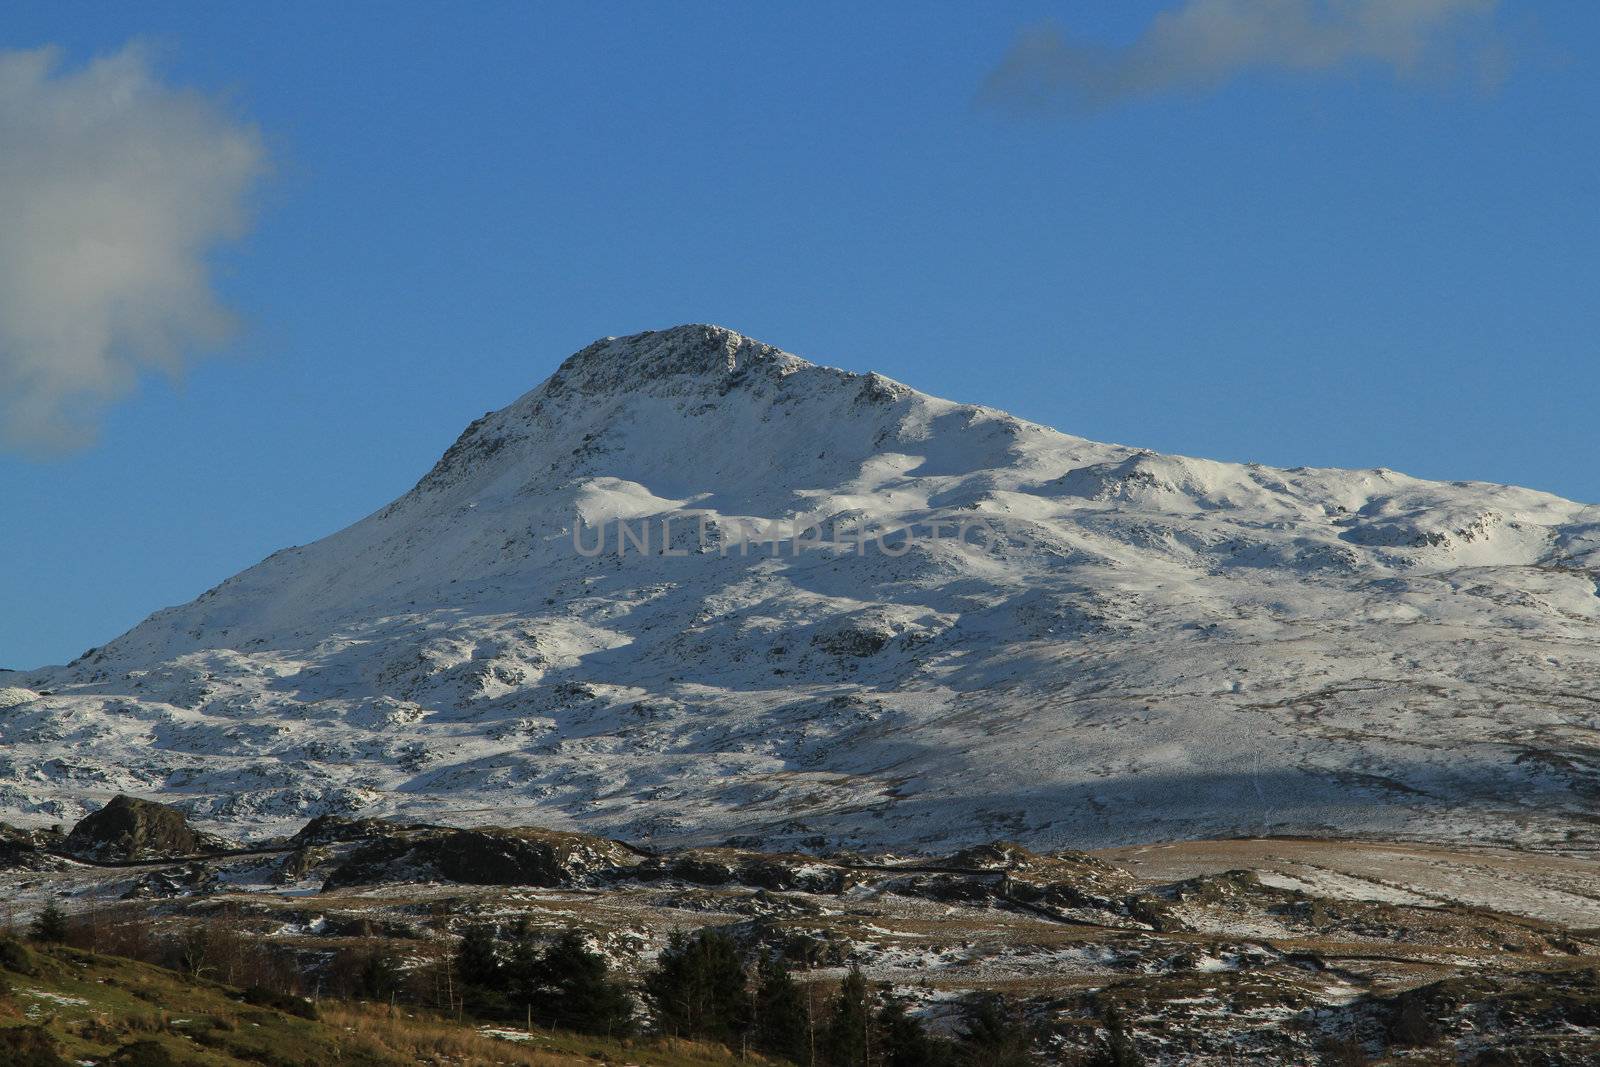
(574, 990)
(50, 925)
(482, 974)
(780, 1014)
(848, 1039)
(699, 988)
(477, 962)
(522, 975)
(562, 985)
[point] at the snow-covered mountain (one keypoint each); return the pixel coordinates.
(1124, 646)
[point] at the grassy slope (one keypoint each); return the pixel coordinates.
(94, 1004)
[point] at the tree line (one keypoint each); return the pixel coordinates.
(701, 988)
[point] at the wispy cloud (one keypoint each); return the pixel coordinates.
(1203, 44)
(114, 189)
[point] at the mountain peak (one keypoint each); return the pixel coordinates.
(685, 366)
(1084, 644)
(694, 350)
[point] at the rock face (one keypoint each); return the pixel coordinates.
(189, 880)
(727, 866)
(333, 829)
(1122, 647)
(129, 828)
(28, 850)
(42, 838)
(487, 856)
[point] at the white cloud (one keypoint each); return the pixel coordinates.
(1204, 44)
(114, 188)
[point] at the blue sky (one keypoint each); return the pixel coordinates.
(1294, 261)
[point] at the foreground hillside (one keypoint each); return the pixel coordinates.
(62, 1006)
(1124, 647)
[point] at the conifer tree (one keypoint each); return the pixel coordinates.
(381, 977)
(781, 1023)
(482, 974)
(476, 959)
(848, 1039)
(50, 925)
(574, 991)
(699, 988)
(562, 985)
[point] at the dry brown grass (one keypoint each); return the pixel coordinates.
(424, 1038)
(421, 1040)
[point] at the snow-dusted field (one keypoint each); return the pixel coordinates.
(1155, 647)
(1559, 889)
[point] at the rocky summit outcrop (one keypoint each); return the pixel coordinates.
(129, 828)
(486, 856)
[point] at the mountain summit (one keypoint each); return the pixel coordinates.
(696, 351)
(952, 625)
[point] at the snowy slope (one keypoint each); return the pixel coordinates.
(1154, 647)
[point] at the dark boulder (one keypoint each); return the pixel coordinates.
(132, 829)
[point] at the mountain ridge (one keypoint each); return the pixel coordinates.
(1149, 646)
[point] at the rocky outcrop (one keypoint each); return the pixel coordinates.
(298, 865)
(484, 856)
(189, 880)
(1069, 886)
(27, 850)
(333, 829)
(1020, 862)
(40, 838)
(129, 828)
(758, 870)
